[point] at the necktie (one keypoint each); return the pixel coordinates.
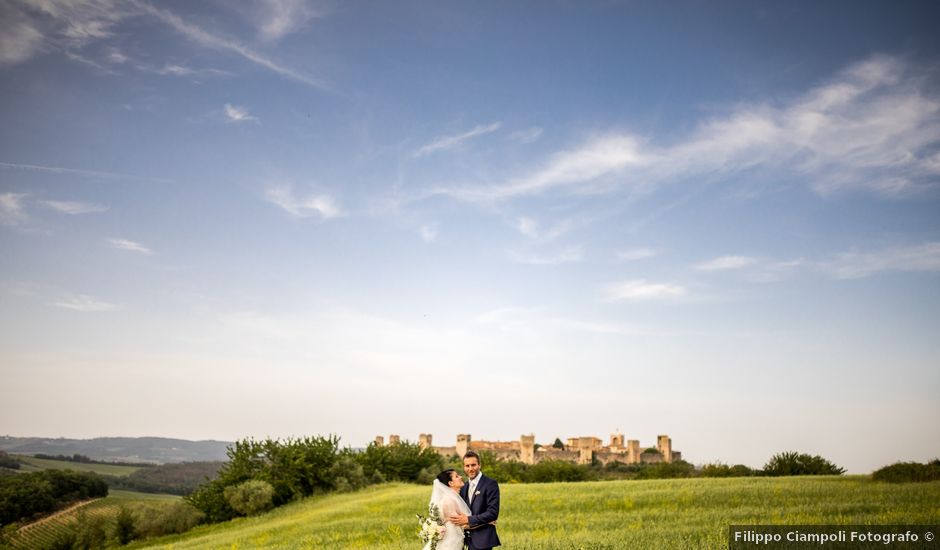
(473, 485)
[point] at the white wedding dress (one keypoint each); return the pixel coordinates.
(448, 502)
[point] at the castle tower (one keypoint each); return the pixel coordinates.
(424, 440)
(633, 451)
(393, 440)
(463, 444)
(527, 449)
(585, 455)
(616, 441)
(664, 445)
(379, 441)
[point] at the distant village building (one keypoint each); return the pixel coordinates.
(577, 450)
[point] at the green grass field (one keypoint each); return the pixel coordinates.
(688, 513)
(33, 464)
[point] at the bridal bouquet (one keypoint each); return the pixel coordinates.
(431, 528)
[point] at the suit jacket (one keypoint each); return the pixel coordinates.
(483, 510)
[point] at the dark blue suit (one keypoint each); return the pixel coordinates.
(483, 510)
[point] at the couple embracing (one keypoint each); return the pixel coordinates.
(469, 509)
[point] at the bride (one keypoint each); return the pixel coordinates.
(445, 494)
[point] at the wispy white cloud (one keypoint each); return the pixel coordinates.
(450, 142)
(532, 229)
(725, 263)
(77, 172)
(75, 208)
(855, 264)
(640, 289)
(210, 40)
(428, 233)
(84, 303)
(322, 205)
(278, 18)
(12, 210)
(129, 246)
(636, 254)
(20, 39)
(236, 113)
(568, 255)
(598, 159)
(529, 135)
(873, 126)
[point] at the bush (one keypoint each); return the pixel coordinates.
(347, 474)
(251, 497)
(800, 464)
(125, 528)
(902, 472)
(158, 520)
(667, 470)
(717, 469)
(549, 471)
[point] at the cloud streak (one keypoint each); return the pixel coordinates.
(129, 246)
(451, 142)
(12, 210)
(85, 304)
(726, 263)
(207, 39)
(874, 126)
(78, 172)
(76, 208)
(568, 255)
(239, 114)
(856, 265)
(320, 205)
(642, 290)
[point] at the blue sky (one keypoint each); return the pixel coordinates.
(718, 222)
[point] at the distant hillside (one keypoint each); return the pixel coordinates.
(156, 450)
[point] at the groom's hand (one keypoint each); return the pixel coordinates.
(459, 519)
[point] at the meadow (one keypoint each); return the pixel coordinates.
(679, 513)
(33, 464)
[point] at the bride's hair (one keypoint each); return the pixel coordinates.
(444, 477)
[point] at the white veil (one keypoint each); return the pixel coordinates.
(447, 500)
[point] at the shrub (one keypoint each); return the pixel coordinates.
(902, 472)
(717, 469)
(800, 464)
(125, 528)
(666, 470)
(251, 497)
(158, 520)
(348, 475)
(549, 471)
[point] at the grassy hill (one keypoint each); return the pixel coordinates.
(687, 513)
(33, 464)
(42, 533)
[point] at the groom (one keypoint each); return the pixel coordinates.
(481, 493)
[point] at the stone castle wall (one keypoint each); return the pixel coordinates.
(579, 450)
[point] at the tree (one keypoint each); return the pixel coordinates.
(558, 444)
(251, 497)
(800, 464)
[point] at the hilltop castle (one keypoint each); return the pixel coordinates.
(578, 450)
